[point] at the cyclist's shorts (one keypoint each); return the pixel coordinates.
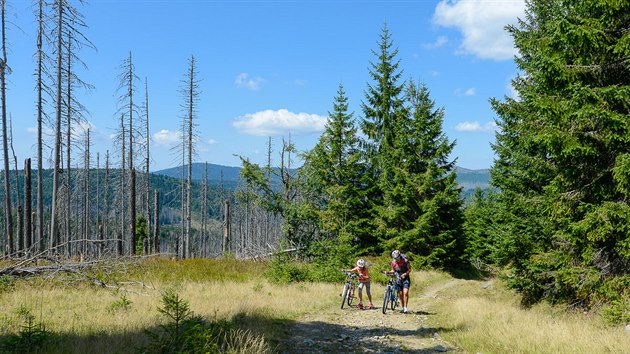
(404, 283)
(367, 288)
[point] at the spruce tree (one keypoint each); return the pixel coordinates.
(383, 108)
(421, 210)
(334, 171)
(563, 150)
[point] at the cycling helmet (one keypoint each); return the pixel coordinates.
(361, 263)
(396, 254)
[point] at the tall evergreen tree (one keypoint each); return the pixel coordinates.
(421, 210)
(563, 151)
(334, 169)
(384, 106)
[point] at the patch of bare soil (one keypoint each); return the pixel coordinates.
(351, 330)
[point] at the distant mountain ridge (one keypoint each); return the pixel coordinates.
(466, 178)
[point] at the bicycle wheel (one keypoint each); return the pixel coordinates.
(388, 289)
(394, 301)
(351, 294)
(344, 294)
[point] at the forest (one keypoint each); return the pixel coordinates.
(553, 224)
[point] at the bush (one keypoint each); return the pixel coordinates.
(185, 332)
(7, 283)
(30, 339)
(285, 270)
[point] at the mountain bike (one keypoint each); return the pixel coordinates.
(391, 291)
(347, 294)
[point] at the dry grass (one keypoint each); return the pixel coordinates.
(485, 317)
(85, 318)
(92, 319)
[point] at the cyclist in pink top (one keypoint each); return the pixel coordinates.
(364, 281)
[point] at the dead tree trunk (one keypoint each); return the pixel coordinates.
(20, 210)
(105, 228)
(28, 229)
(226, 227)
(204, 212)
(8, 220)
(147, 187)
(119, 243)
(40, 119)
(156, 222)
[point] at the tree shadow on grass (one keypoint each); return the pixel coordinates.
(282, 335)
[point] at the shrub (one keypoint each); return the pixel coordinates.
(185, 332)
(122, 304)
(31, 337)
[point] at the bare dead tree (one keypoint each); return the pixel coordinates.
(20, 220)
(119, 244)
(156, 222)
(97, 207)
(68, 40)
(204, 211)
(147, 187)
(127, 88)
(28, 230)
(8, 220)
(190, 92)
(86, 195)
(41, 86)
(105, 233)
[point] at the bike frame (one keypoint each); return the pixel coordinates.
(391, 292)
(349, 288)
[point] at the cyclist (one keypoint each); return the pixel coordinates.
(401, 266)
(364, 281)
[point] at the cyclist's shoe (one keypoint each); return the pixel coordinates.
(405, 310)
(402, 310)
(360, 306)
(371, 307)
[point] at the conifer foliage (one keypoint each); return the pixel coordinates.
(396, 188)
(564, 150)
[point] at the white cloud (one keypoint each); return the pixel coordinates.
(45, 131)
(475, 127)
(244, 81)
(440, 41)
(468, 92)
(299, 82)
(280, 122)
(167, 137)
(80, 128)
(482, 24)
(212, 142)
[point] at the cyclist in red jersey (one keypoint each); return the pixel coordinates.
(402, 267)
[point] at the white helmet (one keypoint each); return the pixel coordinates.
(396, 254)
(361, 263)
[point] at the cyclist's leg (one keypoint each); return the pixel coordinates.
(404, 299)
(369, 294)
(361, 294)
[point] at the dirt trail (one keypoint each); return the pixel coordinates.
(333, 330)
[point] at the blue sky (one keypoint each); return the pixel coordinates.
(272, 68)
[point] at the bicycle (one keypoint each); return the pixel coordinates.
(391, 291)
(347, 294)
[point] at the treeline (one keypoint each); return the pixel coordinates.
(91, 205)
(556, 219)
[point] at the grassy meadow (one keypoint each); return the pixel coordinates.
(80, 317)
